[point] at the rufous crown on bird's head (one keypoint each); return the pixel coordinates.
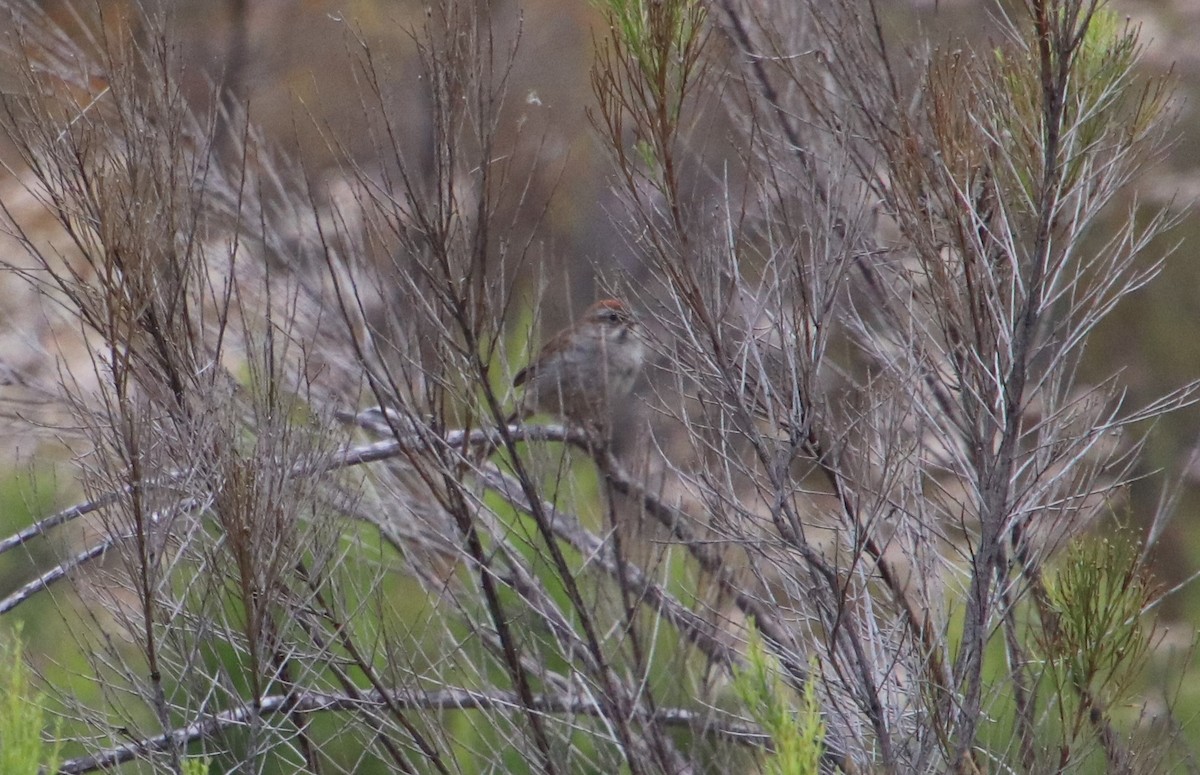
(611, 311)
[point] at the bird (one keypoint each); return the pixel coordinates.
(584, 371)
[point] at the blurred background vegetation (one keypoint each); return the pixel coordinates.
(292, 62)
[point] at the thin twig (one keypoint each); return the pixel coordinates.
(446, 699)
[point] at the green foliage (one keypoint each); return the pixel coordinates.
(22, 717)
(658, 36)
(1103, 103)
(645, 152)
(196, 766)
(1093, 640)
(649, 64)
(1105, 35)
(1102, 110)
(520, 347)
(797, 734)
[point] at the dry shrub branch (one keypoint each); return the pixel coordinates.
(845, 526)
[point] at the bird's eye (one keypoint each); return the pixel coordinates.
(612, 316)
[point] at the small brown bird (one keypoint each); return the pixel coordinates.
(582, 372)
